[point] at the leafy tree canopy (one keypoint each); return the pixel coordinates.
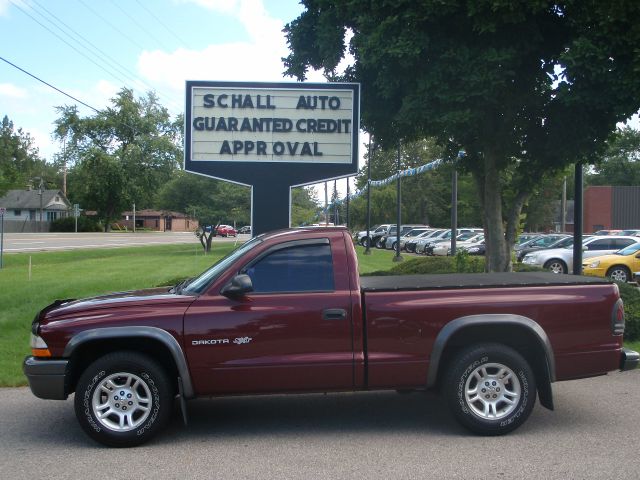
(620, 162)
(524, 88)
(134, 145)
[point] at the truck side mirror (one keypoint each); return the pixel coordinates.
(240, 285)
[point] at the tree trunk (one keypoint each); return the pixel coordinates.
(513, 218)
(498, 258)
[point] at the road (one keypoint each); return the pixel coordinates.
(34, 242)
(380, 435)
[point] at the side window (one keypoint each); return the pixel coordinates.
(621, 242)
(603, 244)
(299, 268)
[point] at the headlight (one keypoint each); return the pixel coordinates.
(530, 258)
(594, 264)
(38, 347)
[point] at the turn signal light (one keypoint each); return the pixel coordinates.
(40, 352)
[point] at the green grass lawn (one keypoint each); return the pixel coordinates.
(84, 273)
(78, 274)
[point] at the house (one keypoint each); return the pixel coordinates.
(35, 205)
(159, 220)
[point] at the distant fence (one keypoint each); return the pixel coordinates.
(26, 226)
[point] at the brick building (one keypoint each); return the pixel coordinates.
(607, 207)
(159, 220)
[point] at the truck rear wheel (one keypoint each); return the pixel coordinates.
(123, 399)
(490, 389)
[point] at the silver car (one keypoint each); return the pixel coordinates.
(560, 260)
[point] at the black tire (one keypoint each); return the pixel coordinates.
(513, 395)
(379, 244)
(151, 390)
(556, 266)
(365, 242)
(619, 273)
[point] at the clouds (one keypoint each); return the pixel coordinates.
(11, 91)
(256, 59)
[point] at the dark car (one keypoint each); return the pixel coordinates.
(542, 242)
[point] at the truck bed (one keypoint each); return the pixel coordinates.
(472, 280)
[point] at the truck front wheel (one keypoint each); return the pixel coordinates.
(490, 389)
(123, 399)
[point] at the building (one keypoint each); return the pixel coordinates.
(608, 207)
(32, 210)
(159, 220)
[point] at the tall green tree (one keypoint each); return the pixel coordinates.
(134, 143)
(524, 88)
(620, 162)
(20, 161)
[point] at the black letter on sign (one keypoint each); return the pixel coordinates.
(278, 148)
(261, 148)
(301, 103)
(209, 101)
(334, 103)
(225, 148)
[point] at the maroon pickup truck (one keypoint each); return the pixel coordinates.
(288, 312)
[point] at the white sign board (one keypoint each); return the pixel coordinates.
(272, 124)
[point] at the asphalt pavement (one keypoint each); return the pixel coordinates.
(35, 242)
(593, 434)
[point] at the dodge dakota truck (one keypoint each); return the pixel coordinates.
(287, 312)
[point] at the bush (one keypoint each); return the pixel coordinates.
(67, 224)
(631, 298)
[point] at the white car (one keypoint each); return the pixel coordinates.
(560, 260)
(361, 237)
(462, 241)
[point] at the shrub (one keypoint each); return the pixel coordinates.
(67, 224)
(631, 298)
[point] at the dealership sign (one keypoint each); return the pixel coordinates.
(272, 136)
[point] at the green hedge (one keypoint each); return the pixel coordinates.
(67, 224)
(631, 297)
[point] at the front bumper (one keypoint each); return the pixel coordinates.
(629, 359)
(47, 378)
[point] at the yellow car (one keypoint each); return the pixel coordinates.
(620, 266)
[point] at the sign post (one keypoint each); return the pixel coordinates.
(272, 137)
(2, 212)
(76, 214)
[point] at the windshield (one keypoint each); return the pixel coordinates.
(630, 250)
(198, 284)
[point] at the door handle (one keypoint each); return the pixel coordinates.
(334, 314)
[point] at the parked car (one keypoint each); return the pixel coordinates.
(541, 242)
(423, 243)
(362, 239)
(492, 344)
(412, 234)
(226, 231)
(560, 260)
(631, 232)
(620, 266)
(377, 237)
(525, 237)
(476, 248)
(411, 244)
(443, 248)
(392, 237)
(608, 232)
(245, 229)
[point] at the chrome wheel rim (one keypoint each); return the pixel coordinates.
(556, 267)
(619, 275)
(121, 402)
(492, 391)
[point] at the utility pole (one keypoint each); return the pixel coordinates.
(398, 257)
(563, 206)
(347, 203)
(367, 250)
(326, 206)
(134, 217)
(577, 221)
(454, 211)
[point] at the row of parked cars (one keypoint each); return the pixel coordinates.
(422, 239)
(613, 254)
(616, 256)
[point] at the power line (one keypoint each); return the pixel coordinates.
(66, 42)
(142, 27)
(100, 53)
(150, 12)
(49, 85)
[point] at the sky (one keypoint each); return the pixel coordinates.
(91, 49)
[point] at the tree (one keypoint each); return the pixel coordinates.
(134, 143)
(523, 88)
(620, 163)
(20, 161)
(304, 206)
